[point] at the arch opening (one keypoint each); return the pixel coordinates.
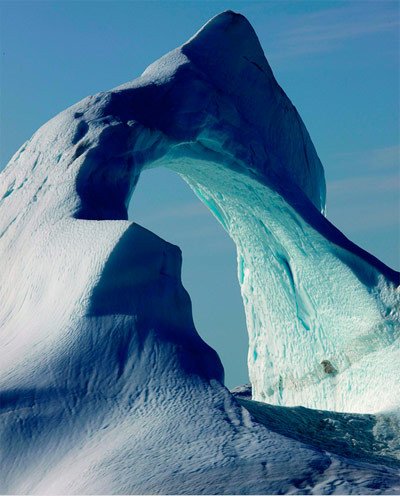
(163, 203)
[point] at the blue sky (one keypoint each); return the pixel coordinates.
(337, 61)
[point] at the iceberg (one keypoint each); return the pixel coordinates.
(106, 387)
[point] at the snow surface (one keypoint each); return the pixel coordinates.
(106, 385)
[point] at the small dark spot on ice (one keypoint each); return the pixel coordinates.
(328, 367)
(77, 115)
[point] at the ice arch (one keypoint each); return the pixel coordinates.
(316, 305)
(105, 385)
(322, 314)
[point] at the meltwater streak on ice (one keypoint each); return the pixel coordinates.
(106, 385)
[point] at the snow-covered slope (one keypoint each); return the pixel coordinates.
(106, 385)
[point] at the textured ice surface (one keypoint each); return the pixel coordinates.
(364, 437)
(106, 385)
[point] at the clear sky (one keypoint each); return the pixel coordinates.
(337, 61)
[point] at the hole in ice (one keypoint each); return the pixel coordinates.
(163, 203)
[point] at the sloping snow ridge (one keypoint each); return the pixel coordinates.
(106, 386)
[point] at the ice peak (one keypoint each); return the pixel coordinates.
(227, 43)
(229, 26)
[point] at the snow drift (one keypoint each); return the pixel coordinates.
(106, 385)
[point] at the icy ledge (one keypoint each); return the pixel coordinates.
(106, 385)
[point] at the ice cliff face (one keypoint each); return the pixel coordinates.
(107, 387)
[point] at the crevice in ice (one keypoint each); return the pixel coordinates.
(254, 63)
(80, 132)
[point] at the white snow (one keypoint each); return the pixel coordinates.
(106, 385)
